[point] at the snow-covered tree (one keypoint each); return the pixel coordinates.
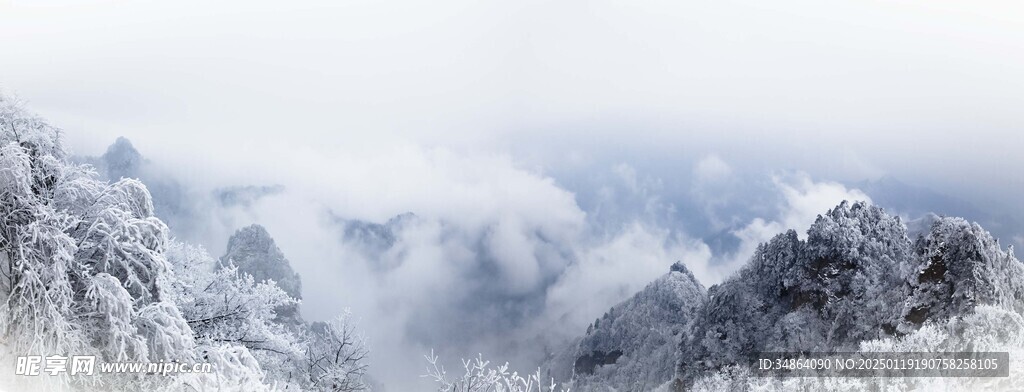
(224, 306)
(480, 376)
(336, 356)
(119, 235)
(40, 277)
(86, 268)
(252, 251)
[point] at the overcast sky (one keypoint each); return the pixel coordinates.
(584, 123)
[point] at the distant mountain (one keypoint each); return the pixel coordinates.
(182, 207)
(254, 252)
(172, 202)
(857, 277)
(121, 160)
(371, 238)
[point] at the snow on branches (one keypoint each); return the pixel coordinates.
(86, 268)
(480, 376)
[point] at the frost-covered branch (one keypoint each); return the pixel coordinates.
(479, 376)
(336, 356)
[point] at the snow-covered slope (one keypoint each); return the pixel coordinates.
(634, 345)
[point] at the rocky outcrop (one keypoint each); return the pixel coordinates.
(254, 252)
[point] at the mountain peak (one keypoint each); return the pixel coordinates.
(635, 342)
(680, 267)
(122, 160)
(254, 236)
(254, 252)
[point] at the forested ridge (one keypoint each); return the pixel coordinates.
(858, 282)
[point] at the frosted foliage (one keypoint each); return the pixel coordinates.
(37, 313)
(84, 271)
(39, 275)
(15, 171)
(226, 306)
(122, 238)
(336, 356)
(223, 306)
(234, 369)
(110, 309)
(168, 336)
(480, 376)
(987, 328)
(190, 267)
(21, 127)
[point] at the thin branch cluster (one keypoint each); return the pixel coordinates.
(480, 376)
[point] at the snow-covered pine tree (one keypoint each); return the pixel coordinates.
(87, 269)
